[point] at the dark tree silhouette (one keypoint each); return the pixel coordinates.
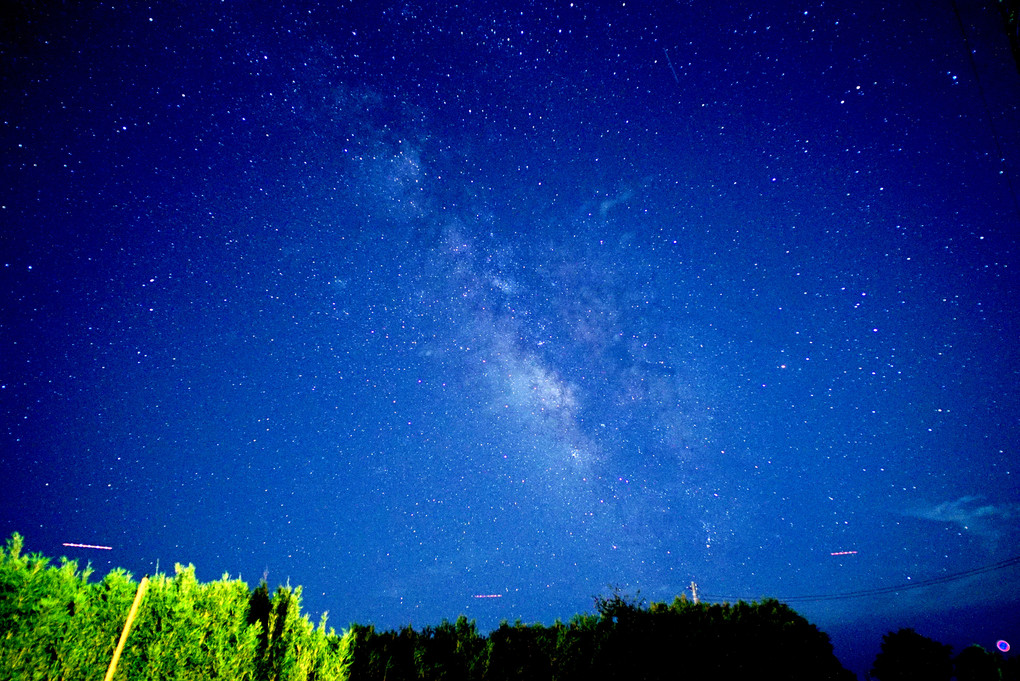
(520, 652)
(1011, 669)
(974, 663)
(908, 656)
(451, 652)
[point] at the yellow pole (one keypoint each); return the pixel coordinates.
(127, 627)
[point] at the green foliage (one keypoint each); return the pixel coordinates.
(54, 624)
(41, 611)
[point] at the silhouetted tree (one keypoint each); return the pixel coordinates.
(909, 656)
(974, 663)
(450, 652)
(577, 648)
(520, 652)
(1010, 668)
(618, 604)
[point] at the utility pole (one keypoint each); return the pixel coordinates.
(694, 592)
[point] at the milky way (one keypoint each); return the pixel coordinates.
(409, 305)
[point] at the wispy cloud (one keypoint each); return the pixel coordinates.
(969, 513)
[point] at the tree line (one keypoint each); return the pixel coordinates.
(57, 624)
(907, 655)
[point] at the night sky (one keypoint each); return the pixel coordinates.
(409, 305)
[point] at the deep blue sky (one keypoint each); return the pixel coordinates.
(407, 305)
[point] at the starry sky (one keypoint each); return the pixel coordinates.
(410, 304)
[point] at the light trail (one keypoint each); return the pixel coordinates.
(487, 596)
(671, 69)
(88, 546)
(842, 553)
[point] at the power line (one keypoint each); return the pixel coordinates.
(924, 583)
